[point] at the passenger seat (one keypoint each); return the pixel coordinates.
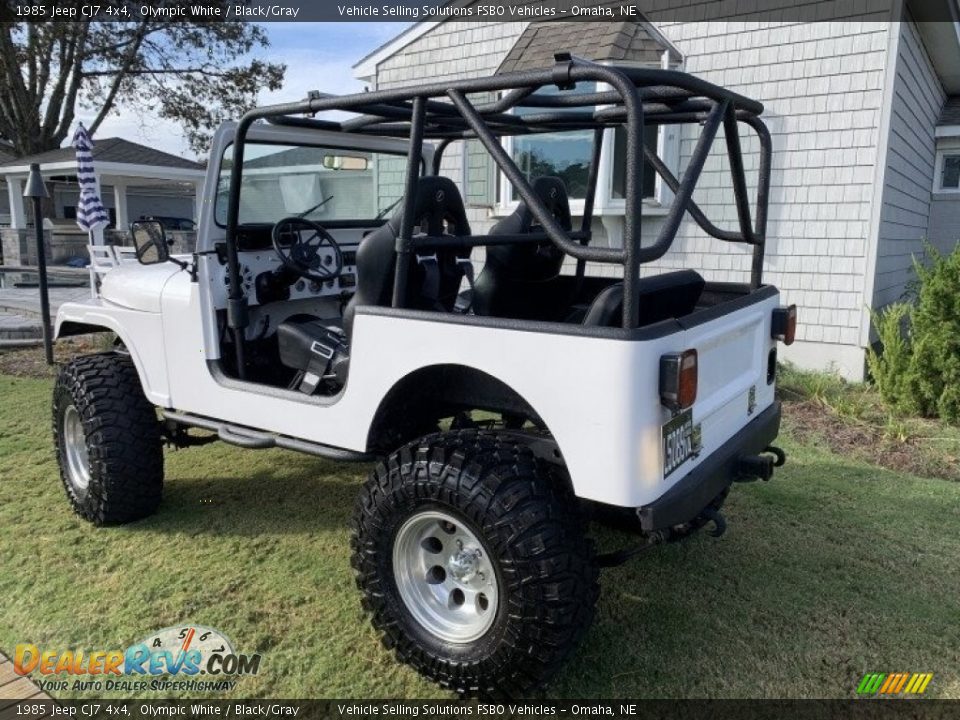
(516, 281)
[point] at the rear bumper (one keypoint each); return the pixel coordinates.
(696, 490)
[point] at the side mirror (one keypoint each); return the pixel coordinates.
(150, 242)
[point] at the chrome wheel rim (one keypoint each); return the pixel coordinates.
(445, 577)
(75, 449)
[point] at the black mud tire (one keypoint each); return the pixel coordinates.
(524, 512)
(122, 437)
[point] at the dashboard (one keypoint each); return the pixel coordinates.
(257, 259)
(253, 264)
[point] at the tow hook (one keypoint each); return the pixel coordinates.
(781, 456)
(752, 467)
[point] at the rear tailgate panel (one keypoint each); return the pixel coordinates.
(733, 348)
(732, 365)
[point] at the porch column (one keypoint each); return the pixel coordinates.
(18, 220)
(197, 201)
(120, 205)
(96, 235)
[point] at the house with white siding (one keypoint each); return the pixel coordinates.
(866, 145)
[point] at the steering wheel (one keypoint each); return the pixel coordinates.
(300, 243)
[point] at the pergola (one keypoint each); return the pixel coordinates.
(118, 163)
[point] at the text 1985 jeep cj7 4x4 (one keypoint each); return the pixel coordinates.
(331, 307)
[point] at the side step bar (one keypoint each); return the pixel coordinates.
(253, 439)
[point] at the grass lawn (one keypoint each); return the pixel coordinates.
(834, 569)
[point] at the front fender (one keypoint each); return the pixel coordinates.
(141, 332)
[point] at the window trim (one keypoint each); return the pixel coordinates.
(604, 204)
(942, 154)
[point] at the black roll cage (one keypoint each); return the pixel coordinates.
(638, 97)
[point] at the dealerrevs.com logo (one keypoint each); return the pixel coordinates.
(174, 658)
(894, 684)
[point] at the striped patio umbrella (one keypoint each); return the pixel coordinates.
(91, 213)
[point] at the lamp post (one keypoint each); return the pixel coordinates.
(37, 191)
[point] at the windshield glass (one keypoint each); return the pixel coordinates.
(323, 184)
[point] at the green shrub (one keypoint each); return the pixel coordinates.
(935, 335)
(890, 368)
(918, 370)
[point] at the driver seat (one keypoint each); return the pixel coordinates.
(434, 278)
(319, 349)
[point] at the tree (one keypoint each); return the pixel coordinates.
(187, 71)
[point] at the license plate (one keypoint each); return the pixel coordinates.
(678, 441)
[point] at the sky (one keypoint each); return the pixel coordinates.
(318, 56)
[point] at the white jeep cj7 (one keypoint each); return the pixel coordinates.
(331, 307)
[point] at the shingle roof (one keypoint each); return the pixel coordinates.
(114, 150)
(625, 41)
(950, 115)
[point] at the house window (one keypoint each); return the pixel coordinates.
(568, 155)
(950, 172)
(565, 155)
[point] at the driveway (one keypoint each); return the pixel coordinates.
(20, 311)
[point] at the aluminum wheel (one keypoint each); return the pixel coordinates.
(445, 576)
(75, 449)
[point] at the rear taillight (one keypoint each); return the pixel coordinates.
(678, 379)
(784, 326)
